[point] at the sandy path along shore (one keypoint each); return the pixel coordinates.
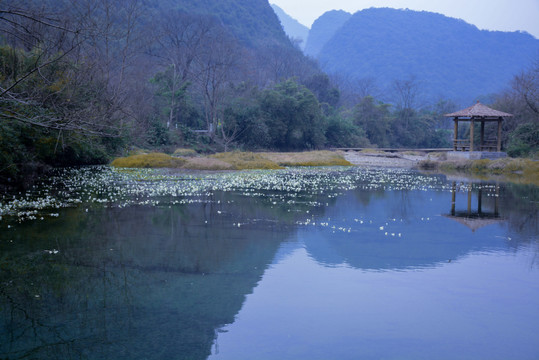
(394, 160)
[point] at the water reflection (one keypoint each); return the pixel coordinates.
(475, 219)
(143, 282)
(402, 230)
(159, 282)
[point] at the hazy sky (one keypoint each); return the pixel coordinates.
(505, 15)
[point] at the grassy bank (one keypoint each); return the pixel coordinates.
(519, 170)
(232, 160)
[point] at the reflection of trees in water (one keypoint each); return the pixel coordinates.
(158, 281)
(148, 282)
(519, 204)
(426, 243)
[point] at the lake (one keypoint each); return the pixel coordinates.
(315, 263)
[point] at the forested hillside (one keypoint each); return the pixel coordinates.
(447, 58)
(253, 22)
(84, 81)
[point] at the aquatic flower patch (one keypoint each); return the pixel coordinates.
(105, 186)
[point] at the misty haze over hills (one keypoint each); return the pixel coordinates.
(293, 28)
(447, 58)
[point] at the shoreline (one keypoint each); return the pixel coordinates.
(515, 170)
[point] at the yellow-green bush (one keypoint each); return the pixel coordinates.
(153, 160)
(309, 158)
(184, 152)
(246, 160)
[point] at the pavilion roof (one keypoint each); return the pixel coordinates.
(479, 110)
(474, 223)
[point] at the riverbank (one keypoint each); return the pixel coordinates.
(508, 169)
(518, 170)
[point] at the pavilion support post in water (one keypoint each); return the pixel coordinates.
(470, 199)
(453, 197)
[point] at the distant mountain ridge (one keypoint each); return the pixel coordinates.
(323, 30)
(449, 57)
(293, 28)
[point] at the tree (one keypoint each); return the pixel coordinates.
(179, 42)
(64, 75)
(374, 119)
(526, 85)
(293, 117)
(321, 86)
(522, 100)
(215, 67)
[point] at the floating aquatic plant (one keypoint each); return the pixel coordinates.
(294, 189)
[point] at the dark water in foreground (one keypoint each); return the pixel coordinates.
(295, 264)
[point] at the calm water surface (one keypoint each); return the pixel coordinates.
(331, 263)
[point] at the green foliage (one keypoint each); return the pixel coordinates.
(374, 118)
(341, 132)
(12, 150)
(524, 141)
(320, 85)
(293, 117)
(24, 148)
(242, 116)
(158, 134)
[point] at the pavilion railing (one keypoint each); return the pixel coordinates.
(462, 145)
(489, 145)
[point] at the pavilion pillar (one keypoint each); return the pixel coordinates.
(471, 135)
(496, 199)
(469, 199)
(482, 141)
(453, 197)
(479, 200)
(455, 137)
(499, 145)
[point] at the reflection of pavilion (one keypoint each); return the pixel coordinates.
(478, 218)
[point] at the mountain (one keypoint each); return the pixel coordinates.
(293, 28)
(253, 22)
(323, 30)
(447, 57)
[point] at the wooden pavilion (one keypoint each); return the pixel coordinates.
(483, 114)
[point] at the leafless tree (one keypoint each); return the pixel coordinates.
(215, 69)
(77, 53)
(353, 90)
(526, 85)
(179, 39)
(406, 93)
